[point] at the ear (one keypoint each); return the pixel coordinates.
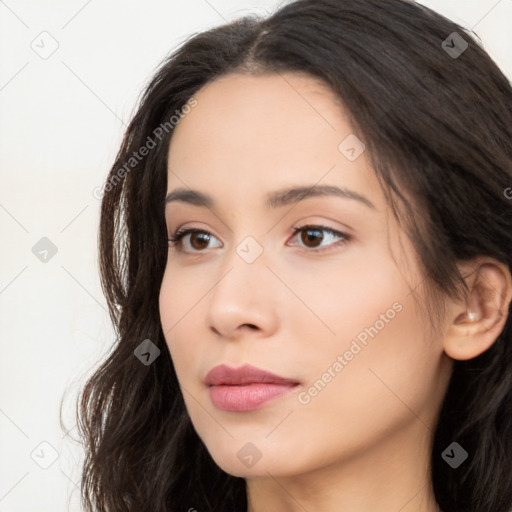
(477, 322)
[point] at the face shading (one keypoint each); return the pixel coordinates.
(313, 285)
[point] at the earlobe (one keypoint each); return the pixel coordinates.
(478, 322)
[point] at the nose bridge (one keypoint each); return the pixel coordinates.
(243, 294)
(244, 267)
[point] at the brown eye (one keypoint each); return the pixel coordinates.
(313, 236)
(198, 240)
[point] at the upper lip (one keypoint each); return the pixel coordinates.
(245, 374)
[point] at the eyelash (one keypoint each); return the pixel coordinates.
(175, 241)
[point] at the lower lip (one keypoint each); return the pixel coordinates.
(247, 397)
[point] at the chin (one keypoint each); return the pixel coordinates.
(239, 463)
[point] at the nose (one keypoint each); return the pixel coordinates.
(244, 299)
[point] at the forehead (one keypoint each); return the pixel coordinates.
(248, 133)
(260, 108)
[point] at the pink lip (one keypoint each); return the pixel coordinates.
(245, 388)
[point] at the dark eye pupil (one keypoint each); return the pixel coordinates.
(306, 237)
(205, 237)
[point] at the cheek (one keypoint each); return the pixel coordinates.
(347, 295)
(176, 305)
(386, 360)
(386, 384)
(386, 374)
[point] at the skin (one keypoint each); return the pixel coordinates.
(363, 442)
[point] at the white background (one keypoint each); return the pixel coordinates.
(61, 122)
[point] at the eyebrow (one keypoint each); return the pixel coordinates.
(275, 199)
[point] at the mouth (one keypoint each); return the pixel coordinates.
(245, 388)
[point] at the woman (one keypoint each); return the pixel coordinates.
(305, 245)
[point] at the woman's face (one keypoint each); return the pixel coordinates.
(329, 308)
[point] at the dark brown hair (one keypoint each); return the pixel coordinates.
(437, 127)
